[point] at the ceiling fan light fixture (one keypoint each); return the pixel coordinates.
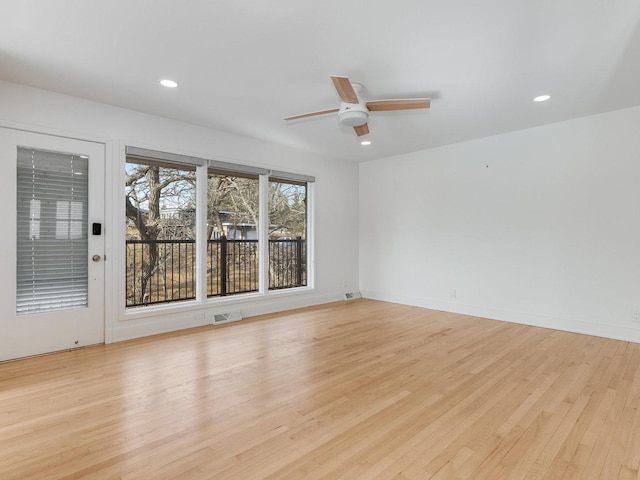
(365, 143)
(353, 115)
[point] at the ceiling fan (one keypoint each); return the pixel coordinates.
(354, 112)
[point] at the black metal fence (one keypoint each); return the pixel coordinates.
(163, 271)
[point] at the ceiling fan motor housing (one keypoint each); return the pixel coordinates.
(353, 114)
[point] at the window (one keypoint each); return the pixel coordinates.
(232, 233)
(195, 228)
(160, 207)
(287, 234)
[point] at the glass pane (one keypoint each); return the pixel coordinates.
(287, 234)
(160, 232)
(52, 249)
(232, 232)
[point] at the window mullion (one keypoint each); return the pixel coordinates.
(310, 234)
(263, 233)
(201, 233)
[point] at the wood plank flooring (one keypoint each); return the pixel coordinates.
(363, 390)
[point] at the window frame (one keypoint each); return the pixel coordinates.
(290, 179)
(202, 167)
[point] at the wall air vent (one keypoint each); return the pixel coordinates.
(352, 295)
(219, 318)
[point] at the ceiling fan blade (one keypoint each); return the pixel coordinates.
(312, 114)
(345, 89)
(361, 129)
(399, 104)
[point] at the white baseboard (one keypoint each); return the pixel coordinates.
(616, 332)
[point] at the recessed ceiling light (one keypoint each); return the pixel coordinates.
(365, 142)
(168, 83)
(542, 98)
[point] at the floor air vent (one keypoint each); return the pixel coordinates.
(352, 295)
(226, 317)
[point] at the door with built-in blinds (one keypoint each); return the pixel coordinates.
(52, 244)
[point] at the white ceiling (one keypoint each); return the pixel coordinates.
(244, 65)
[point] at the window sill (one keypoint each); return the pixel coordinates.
(137, 313)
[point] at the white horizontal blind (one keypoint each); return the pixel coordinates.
(288, 177)
(52, 249)
(172, 158)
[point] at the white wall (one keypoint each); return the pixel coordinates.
(540, 226)
(336, 186)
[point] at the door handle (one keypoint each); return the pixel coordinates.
(96, 258)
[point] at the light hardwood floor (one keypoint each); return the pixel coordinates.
(360, 390)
